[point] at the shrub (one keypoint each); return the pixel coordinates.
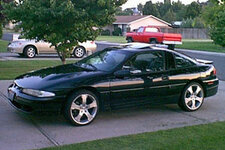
(117, 32)
(105, 32)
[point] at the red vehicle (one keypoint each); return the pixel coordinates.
(153, 35)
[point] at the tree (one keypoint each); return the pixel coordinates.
(126, 12)
(170, 16)
(179, 9)
(150, 9)
(193, 10)
(163, 8)
(214, 16)
(63, 23)
(140, 7)
(2, 17)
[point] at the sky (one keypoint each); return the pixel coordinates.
(134, 3)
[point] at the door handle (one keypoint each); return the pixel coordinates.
(165, 78)
(149, 77)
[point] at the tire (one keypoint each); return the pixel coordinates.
(30, 51)
(79, 52)
(129, 40)
(171, 46)
(81, 108)
(152, 41)
(192, 97)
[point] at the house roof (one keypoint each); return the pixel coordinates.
(131, 19)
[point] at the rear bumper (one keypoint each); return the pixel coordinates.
(31, 104)
(172, 42)
(211, 87)
(15, 49)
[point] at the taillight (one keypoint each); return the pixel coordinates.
(214, 71)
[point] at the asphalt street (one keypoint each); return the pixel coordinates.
(19, 131)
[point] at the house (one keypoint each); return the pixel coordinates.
(130, 23)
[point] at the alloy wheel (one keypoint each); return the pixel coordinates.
(194, 97)
(83, 109)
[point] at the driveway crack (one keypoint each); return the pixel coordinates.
(52, 140)
(42, 131)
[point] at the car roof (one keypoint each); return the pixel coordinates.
(139, 47)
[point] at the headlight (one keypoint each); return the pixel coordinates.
(38, 93)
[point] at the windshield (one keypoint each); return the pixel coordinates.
(104, 60)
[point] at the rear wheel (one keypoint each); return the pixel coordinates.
(129, 40)
(30, 52)
(153, 41)
(192, 97)
(81, 108)
(79, 52)
(171, 46)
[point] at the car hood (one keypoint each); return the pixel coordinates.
(59, 76)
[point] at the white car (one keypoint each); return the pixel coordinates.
(31, 48)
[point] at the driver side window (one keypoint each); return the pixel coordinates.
(147, 62)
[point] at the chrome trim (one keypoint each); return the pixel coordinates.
(213, 80)
(154, 87)
(178, 84)
(171, 85)
(127, 90)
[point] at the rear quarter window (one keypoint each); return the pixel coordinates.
(182, 62)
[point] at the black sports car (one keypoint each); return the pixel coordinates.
(114, 78)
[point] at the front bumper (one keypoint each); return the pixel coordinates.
(31, 104)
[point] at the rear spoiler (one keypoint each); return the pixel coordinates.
(204, 61)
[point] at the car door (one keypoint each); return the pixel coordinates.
(44, 47)
(130, 89)
(157, 84)
(138, 37)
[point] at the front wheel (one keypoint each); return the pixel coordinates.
(192, 97)
(81, 108)
(129, 40)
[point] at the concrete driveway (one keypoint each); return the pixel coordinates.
(19, 131)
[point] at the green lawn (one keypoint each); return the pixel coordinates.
(193, 44)
(201, 45)
(113, 39)
(202, 137)
(11, 69)
(3, 46)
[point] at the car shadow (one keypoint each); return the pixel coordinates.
(105, 116)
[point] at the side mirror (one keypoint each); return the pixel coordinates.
(122, 73)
